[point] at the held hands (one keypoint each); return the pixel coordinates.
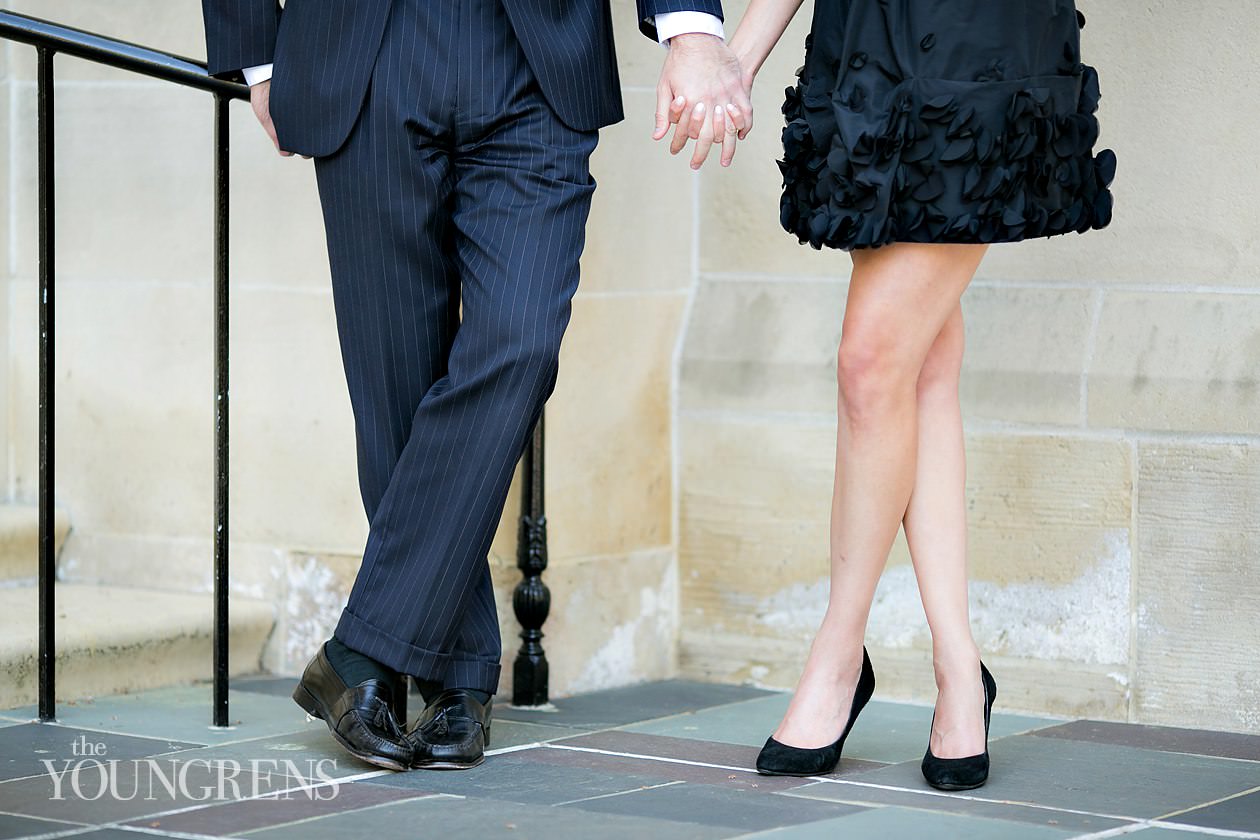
(704, 93)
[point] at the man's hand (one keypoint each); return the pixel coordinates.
(704, 92)
(260, 100)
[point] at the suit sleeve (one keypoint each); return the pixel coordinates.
(239, 34)
(649, 9)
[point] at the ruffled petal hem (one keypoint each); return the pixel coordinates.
(945, 161)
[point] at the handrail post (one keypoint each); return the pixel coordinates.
(47, 273)
(220, 636)
(531, 600)
(50, 38)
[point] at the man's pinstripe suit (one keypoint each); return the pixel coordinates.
(451, 141)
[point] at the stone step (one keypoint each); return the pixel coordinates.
(112, 639)
(19, 539)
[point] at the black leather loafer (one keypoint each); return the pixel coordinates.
(360, 718)
(451, 733)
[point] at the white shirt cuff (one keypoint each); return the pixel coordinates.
(669, 24)
(259, 73)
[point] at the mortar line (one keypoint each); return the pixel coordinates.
(181, 754)
(10, 415)
(643, 757)
(42, 818)
(1255, 789)
(619, 793)
(1114, 831)
(630, 293)
(1006, 283)
(1087, 364)
(13, 154)
(989, 427)
(68, 832)
(69, 279)
(985, 800)
(302, 784)
(1203, 829)
(829, 780)
(336, 783)
(144, 830)
(393, 802)
(301, 552)
(674, 715)
(675, 418)
(1135, 559)
(532, 745)
(60, 724)
(1121, 830)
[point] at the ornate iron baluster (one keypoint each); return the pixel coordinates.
(531, 600)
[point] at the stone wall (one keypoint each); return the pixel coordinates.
(1110, 388)
(1111, 404)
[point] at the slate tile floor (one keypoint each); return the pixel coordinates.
(660, 761)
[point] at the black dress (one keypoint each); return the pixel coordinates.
(943, 121)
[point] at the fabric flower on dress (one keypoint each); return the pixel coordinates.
(992, 160)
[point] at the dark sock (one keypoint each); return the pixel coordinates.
(432, 688)
(428, 688)
(354, 667)
(483, 697)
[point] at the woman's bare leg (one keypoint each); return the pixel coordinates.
(935, 523)
(900, 297)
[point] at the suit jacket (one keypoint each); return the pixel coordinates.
(324, 51)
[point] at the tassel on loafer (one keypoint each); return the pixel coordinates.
(359, 717)
(452, 732)
(969, 771)
(779, 759)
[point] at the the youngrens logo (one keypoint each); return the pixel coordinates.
(91, 775)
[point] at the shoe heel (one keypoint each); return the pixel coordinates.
(307, 701)
(969, 771)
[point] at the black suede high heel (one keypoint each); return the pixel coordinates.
(779, 759)
(969, 771)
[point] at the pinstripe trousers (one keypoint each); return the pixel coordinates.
(455, 216)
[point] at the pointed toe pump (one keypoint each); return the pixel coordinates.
(969, 771)
(779, 759)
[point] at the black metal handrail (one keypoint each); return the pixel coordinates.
(113, 52)
(531, 598)
(50, 39)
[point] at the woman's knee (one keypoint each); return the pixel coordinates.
(871, 372)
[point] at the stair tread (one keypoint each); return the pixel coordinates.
(19, 539)
(95, 617)
(112, 639)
